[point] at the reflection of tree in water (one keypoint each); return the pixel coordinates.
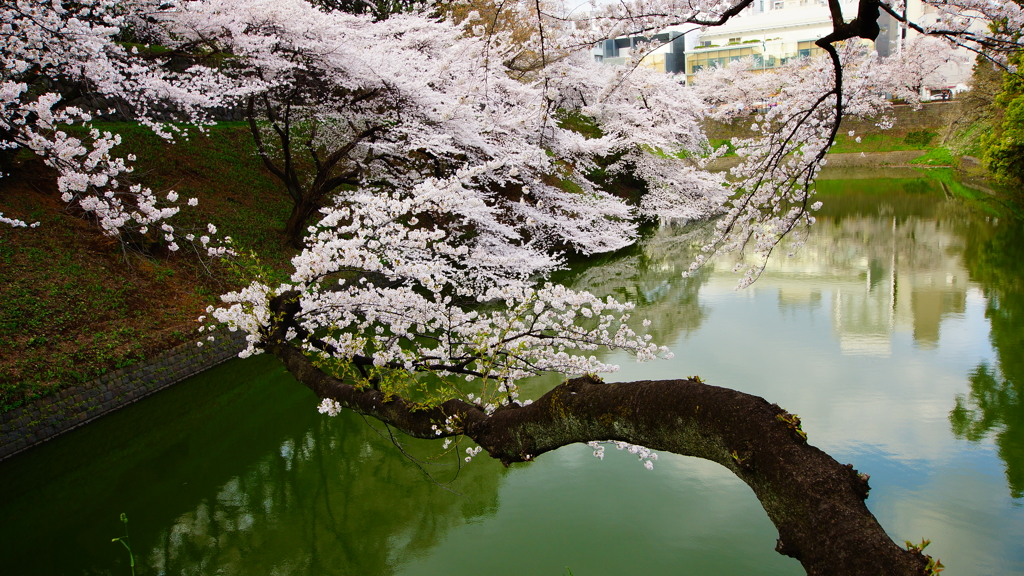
(335, 500)
(995, 404)
(650, 275)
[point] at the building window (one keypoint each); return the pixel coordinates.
(735, 40)
(716, 58)
(808, 48)
(705, 44)
(778, 5)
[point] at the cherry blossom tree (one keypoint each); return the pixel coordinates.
(415, 302)
(446, 186)
(352, 104)
(50, 50)
(924, 60)
(772, 189)
(379, 9)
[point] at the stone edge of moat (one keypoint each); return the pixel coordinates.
(51, 416)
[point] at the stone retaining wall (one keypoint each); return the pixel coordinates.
(45, 418)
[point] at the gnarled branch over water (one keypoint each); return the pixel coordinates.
(816, 503)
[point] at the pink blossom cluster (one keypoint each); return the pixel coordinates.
(45, 42)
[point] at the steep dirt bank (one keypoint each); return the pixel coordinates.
(77, 306)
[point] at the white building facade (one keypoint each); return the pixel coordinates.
(772, 32)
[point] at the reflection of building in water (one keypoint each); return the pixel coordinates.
(885, 275)
(878, 274)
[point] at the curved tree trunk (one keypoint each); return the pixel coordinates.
(816, 504)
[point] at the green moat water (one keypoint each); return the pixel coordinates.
(896, 333)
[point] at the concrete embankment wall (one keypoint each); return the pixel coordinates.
(45, 418)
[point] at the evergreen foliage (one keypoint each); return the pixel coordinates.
(1004, 145)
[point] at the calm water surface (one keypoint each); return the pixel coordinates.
(896, 332)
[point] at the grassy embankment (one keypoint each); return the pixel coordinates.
(76, 305)
(895, 141)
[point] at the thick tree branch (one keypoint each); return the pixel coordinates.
(258, 139)
(690, 18)
(816, 504)
(865, 25)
